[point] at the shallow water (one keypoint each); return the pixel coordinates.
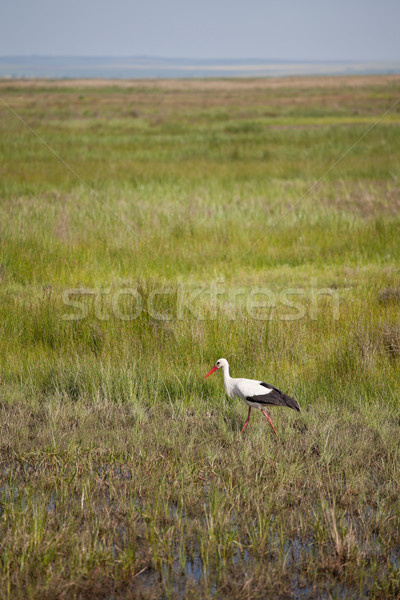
(185, 567)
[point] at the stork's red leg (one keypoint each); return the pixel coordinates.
(248, 419)
(269, 420)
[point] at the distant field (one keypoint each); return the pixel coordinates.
(147, 229)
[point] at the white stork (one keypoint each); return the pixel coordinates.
(256, 394)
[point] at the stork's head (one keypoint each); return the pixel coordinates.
(221, 362)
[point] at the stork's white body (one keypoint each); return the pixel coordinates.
(244, 388)
(256, 394)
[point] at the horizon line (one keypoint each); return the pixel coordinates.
(197, 58)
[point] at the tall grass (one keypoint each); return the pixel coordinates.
(122, 473)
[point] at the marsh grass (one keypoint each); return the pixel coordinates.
(122, 474)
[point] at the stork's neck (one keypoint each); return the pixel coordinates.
(228, 381)
(225, 373)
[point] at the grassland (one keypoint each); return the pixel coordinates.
(257, 220)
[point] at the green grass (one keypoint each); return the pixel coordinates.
(207, 233)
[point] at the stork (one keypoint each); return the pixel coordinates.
(256, 394)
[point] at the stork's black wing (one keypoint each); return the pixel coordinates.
(274, 398)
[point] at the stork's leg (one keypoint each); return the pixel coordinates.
(248, 419)
(269, 420)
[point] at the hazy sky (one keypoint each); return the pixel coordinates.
(287, 29)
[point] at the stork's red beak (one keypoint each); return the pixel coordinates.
(212, 371)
